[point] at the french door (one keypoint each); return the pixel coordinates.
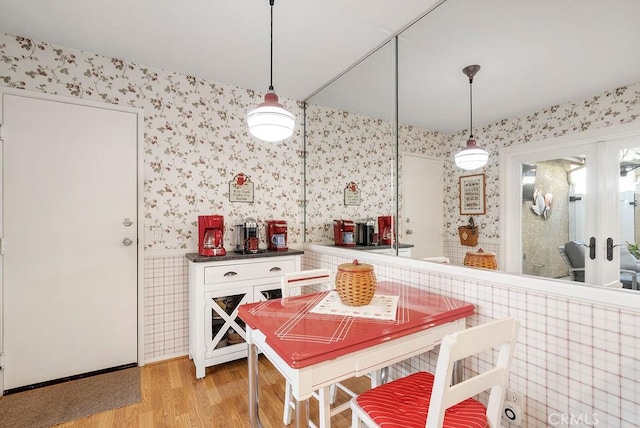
(581, 188)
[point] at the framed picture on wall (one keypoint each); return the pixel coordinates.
(472, 196)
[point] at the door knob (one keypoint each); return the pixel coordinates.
(127, 241)
(127, 222)
(409, 232)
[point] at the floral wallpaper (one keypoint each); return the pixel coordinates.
(196, 141)
(195, 138)
(341, 148)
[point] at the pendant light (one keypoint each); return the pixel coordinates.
(471, 157)
(270, 121)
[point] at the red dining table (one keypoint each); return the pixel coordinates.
(313, 351)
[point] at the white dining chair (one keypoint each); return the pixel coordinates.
(422, 400)
(296, 283)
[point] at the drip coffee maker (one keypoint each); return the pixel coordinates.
(386, 232)
(277, 235)
(344, 233)
(210, 235)
(364, 232)
(247, 236)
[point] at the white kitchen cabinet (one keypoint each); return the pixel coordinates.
(217, 287)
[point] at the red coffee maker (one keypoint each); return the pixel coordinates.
(210, 234)
(386, 232)
(344, 233)
(277, 235)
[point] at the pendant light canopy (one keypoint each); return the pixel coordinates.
(471, 157)
(270, 121)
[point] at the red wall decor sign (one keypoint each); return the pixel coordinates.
(241, 189)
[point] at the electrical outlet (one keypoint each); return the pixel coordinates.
(513, 408)
(514, 397)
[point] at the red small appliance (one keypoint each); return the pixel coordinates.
(210, 235)
(277, 235)
(344, 233)
(386, 232)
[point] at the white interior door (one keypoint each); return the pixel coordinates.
(422, 197)
(70, 282)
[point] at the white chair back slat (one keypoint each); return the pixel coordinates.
(293, 282)
(472, 341)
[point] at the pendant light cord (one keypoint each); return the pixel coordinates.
(271, 57)
(471, 107)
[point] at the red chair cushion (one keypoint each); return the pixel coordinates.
(403, 403)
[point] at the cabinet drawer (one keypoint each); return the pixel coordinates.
(246, 271)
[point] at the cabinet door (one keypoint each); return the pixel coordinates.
(224, 331)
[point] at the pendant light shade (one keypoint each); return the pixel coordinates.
(472, 156)
(270, 121)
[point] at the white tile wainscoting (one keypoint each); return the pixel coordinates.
(166, 305)
(577, 361)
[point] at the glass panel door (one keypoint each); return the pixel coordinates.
(570, 211)
(622, 157)
(557, 193)
(222, 322)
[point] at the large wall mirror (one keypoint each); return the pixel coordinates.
(519, 97)
(350, 148)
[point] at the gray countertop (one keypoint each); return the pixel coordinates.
(380, 247)
(371, 247)
(231, 255)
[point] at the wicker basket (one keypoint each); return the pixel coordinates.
(468, 235)
(356, 283)
(480, 259)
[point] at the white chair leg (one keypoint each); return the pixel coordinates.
(355, 420)
(376, 378)
(333, 393)
(288, 405)
(324, 406)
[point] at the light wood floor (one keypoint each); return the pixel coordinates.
(173, 397)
